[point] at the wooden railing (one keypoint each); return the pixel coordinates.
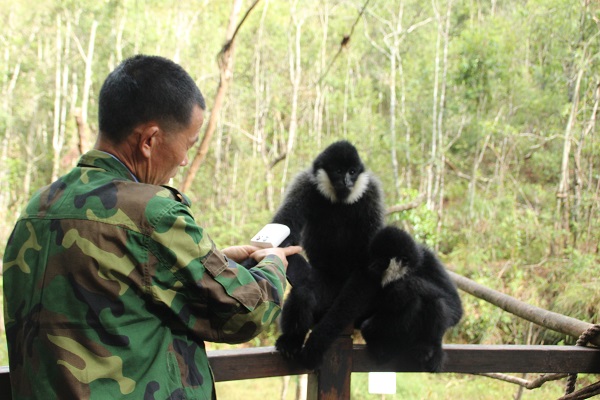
(332, 381)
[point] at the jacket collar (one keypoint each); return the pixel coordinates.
(111, 164)
(107, 162)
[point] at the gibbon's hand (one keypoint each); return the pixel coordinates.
(281, 252)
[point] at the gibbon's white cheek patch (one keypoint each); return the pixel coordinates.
(325, 187)
(395, 271)
(359, 188)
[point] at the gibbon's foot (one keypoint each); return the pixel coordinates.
(367, 330)
(289, 345)
(430, 357)
(310, 357)
(311, 360)
(379, 352)
(377, 348)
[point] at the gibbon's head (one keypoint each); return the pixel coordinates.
(397, 252)
(340, 174)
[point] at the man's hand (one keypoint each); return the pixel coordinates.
(241, 253)
(281, 252)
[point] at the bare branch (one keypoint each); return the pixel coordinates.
(548, 319)
(277, 160)
(344, 42)
(406, 206)
(527, 384)
(229, 42)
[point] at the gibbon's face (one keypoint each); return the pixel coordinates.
(340, 174)
(395, 271)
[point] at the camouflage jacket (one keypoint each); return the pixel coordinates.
(111, 289)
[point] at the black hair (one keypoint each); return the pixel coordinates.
(145, 88)
(339, 154)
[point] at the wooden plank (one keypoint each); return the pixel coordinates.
(266, 361)
(251, 363)
(496, 358)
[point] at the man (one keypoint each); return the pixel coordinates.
(110, 286)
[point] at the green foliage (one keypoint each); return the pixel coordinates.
(476, 67)
(575, 287)
(421, 222)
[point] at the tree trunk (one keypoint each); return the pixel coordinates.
(433, 153)
(473, 181)
(440, 123)
(262, 100)
(83, 131)
(7, 94)
(580, 173)
(407, 127)
(320, 89)
(393, 57)
(295, 60)
(226, 72)
(60, 87)
(561, 226)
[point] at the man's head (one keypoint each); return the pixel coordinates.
(150, 112)
(146, 88)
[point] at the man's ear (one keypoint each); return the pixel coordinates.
(148, 135)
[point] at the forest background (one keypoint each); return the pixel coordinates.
(478, 116)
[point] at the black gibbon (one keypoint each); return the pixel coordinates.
(418, 301)
(333, 210)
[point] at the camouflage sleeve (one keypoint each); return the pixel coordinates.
(217, 299)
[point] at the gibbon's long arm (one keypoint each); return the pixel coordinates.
(292, 211)
(352, 303)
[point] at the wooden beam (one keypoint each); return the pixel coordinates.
(251, 363)
(497, 358)
(470, 358)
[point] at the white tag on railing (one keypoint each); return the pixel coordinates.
(382, 382)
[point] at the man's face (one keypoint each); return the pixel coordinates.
(171, 150)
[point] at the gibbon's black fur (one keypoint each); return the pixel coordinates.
(333, 210)
(418, 301)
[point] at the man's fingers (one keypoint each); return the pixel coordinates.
(292, 250)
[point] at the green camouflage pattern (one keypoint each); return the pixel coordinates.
(111, 289)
